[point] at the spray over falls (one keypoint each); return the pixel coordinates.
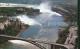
(43, 7)
(26, 20)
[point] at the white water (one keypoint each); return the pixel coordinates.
(44, 8)
(46, 15)
(25, 19)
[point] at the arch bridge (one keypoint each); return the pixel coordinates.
(36, 42)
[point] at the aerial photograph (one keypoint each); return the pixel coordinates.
(38, 24)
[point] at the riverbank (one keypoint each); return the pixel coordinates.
(69, 12)
(69, 18)
(22, 30)
(12, 27)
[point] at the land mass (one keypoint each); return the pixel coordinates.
(13, 26)
(14, 11)
(69, 12)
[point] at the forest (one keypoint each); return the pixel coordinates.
(13, 11)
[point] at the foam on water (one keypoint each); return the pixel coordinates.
(44, 8)
(25, 19)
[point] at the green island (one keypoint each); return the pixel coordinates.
(13, 11)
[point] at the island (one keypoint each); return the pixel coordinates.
(13, 11)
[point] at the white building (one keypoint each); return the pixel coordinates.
(1, 26)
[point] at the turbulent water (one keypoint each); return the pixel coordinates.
(25, 19)
(43, 27)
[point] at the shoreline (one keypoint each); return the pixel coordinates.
(22, 30)
(62, 27)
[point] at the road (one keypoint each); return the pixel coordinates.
(71, 38)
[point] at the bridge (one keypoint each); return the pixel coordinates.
(36, 42)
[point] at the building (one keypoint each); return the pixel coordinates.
(1, 26)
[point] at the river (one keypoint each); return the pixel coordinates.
(43, 27)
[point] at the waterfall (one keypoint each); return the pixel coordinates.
(45, 8)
